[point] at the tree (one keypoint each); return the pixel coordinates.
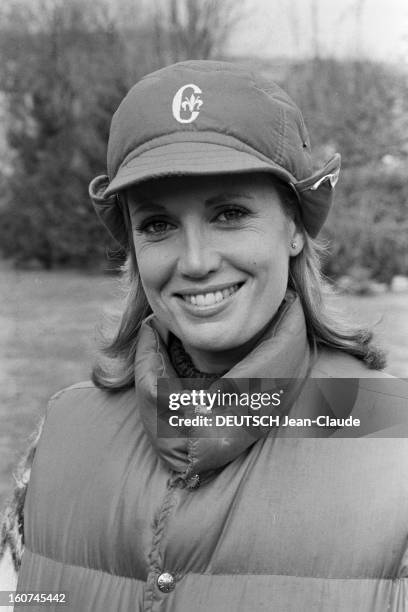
(57, 127)
(192, 30)
(357, 107)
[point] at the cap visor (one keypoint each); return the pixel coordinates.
(191, 158)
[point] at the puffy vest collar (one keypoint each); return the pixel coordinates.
(282, 352)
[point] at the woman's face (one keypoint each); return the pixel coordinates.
(213, 255)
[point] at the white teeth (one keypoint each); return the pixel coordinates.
(209, 299)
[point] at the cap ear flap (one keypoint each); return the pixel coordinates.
(108, 210)
(329, 173)
(316, 194)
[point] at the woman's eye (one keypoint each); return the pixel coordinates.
(155, 228)
(231, 214)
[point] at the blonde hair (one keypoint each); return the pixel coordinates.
(326, 326)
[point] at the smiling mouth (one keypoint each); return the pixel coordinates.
(212, 297)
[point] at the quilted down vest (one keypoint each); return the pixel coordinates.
(121, 520)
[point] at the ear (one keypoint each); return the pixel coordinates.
(296, 239)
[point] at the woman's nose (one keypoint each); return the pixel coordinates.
(198, 257)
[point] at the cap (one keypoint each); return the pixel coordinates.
(205, 117)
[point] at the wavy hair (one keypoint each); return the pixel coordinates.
(326, 326)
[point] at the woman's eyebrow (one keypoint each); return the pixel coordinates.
(224, 198)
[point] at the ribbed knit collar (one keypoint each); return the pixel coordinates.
(282, 352)
(182, 362)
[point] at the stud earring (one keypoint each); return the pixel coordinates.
(293, 244)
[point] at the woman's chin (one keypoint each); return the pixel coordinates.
(219, 343)
(209, 345)
(214, 345)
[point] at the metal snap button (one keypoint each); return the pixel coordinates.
(166, 582)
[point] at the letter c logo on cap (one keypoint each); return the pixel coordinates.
(189, 104)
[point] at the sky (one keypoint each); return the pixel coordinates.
(274, 28)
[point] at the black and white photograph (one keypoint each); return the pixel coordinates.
(204, 305)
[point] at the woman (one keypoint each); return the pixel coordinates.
(212, 193)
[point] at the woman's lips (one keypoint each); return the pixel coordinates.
(210, 298)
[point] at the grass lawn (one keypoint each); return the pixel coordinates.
(47, 334)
